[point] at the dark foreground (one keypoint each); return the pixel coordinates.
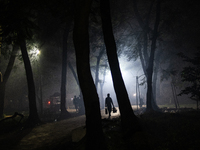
(160, 131)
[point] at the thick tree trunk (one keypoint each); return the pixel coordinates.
(101, 86)
(155, 76)
(94, 132)
(75, 77)
(74, 73)
(145, 59)
(154, 93)
(151, 59)
(33, 118)
(64, 113)
(5, 79)
(97, 67)
(97, 73)
(128, 119)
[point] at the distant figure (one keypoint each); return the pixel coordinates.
(75, 102)
(81, 105)
(141, 102)
(108, 103)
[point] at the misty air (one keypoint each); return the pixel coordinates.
(101, 75)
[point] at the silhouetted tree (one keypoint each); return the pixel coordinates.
(61, 12)
(5, 78)
(191, 74)
(64, 112)
(94, 134)
(128, 119)
(33, 118)
(74, 74)
(18, 27)
(102, 51)
(147, 61)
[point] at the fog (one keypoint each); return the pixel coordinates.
(16, 91)
(47, 64)
(129, 70)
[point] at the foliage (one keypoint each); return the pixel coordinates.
(191, 74)
(17, 23)
(15, 20)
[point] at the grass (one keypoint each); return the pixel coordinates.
(194, 106)
(160, 131)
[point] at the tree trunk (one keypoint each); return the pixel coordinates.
(97, 67)
(151, 59)
(101, 86)
(154, 97)
(128, 119)
(75, 77)
(74, 73)
(64, 113)
(94, 132)
(155, 75)
(33, 118)
(144, 58)
(5, 79)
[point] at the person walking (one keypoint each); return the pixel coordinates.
(75, 102)
(108, 104)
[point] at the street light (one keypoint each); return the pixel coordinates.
(37, 52)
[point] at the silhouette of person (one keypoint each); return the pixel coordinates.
(81, 104)
(75, 102)
(108, 102)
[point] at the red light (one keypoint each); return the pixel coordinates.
(49, 102)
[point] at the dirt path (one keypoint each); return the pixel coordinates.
(48, 135)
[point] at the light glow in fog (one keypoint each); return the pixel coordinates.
(129, 70)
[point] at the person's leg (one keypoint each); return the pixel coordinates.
(109, 112)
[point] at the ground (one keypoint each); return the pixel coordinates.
(48, 135)
(159, 131)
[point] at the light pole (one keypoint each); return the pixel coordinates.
(138, 90)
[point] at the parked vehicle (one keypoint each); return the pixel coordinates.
(53, 103)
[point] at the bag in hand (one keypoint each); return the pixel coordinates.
(106, 110)
(114, 110)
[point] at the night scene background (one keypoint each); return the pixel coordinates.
(144, 53)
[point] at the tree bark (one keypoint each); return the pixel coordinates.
(128, 119)
(75, 76)
(94, 132)
(74, 73)
(64, 113)
(97, 67)
(101, 86)
(155, 76)
(33, 118)
(144, 57)
(151, 59)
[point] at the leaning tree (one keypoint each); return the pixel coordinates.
(128, 119)
(94, 133)
(19, 26)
